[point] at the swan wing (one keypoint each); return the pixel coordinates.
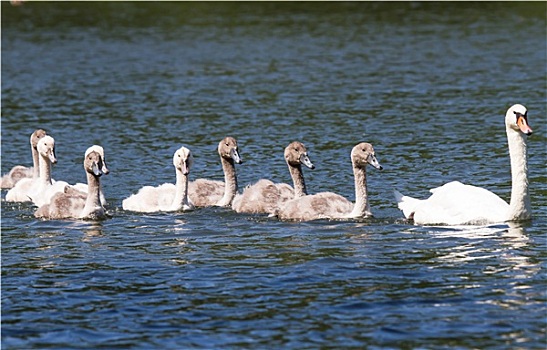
(151, 199)
(456, 203)
(204, 192)
(260, 198)
(323, 205)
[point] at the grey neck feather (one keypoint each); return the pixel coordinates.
(230, 182)
(45, 170)
(298, 181)
(361, 207)
(93, 200)
(35, 163)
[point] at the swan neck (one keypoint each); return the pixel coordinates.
(361, 207)
(181, 191)
(45, 170)
(230, 182)
(93, 200)
(298, 181)
(519, 206)
(35, 163)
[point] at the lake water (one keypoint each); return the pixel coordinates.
(427, 84)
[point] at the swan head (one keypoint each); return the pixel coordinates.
(46, 148)
(227, 149)
(183, 160)
(93, 163)
(36, 136)
(363, 154)
(296, 154)
(516, 119)
(100, 150)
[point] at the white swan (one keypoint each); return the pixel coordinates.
(457, 204)
(72, 203)
(266, 196)
(167, 197)
(204, 192)
(44, 188)
(20, 172)
(328, 205)
(83, 187)
(30, 189)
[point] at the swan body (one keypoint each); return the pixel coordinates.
(458, 204)
(44, 188)
(19, 172)
(265, 196)
(205, 193)
(41, 189)
(71, 203)
(16, 174)
(166, 197)
(328, 205)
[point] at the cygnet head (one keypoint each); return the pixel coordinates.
(516, 119)
(183, 160)
(93, 163)
(100, 150)
(227, 149)
(46, 148)
(296, 154)
(36, 136)
(363, 154)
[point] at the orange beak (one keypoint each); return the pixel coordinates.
(523, 125)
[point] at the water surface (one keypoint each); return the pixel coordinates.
(426, 84)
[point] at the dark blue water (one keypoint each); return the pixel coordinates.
(426, 84)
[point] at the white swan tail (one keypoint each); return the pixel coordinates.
(406, 204)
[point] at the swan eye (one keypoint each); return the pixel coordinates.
(518, 114)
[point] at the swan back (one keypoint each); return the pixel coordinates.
(16, 174)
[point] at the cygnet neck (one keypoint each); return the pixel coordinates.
(298, 180)
(93, 200)
(230, 182)
(361, 207)
(181, 191)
